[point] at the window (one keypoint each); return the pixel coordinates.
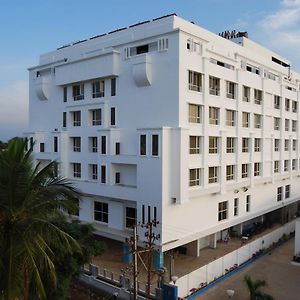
(230, 172)
(256, 169)
(93, 171)
(214, 115)
(230, 145)
(276, 166)
(64, 119)
(113, 116)
(247, 203)
(213, 174)
(230, 117)
(277, 100)
(31, 143)
(245, 170)
(143, 214)
(65, 94)
(98, 88)
(294, 125)
(294, 106)
(286, 145)
(223, 206)
(130, 219)
(194, 177)
(42, 147)
(195, 81)
(154, 144)
(194, 144)
(276, 145)
(96, 116)
(93, 144)
(245, 119)
(76, 144)
(221, 64)
(113, 86)
(103, 174)
(117, 148)
(117, 178)
(213, 144)
(103, 144)
(142, 49)
(77, 118)
(253, 69)
(194, 113)
(287, 191)
(77, 170)
(143, 144)
(245, 145)
(101, 212)
(258, 96)
(214, 86)
(236, 206)
(294, 145)
(78, 92)
(287, 104)
(246, 93)
(55, 144)
(286, 165)
(276, 123)
(294, 164)
(257, 121)
(286, 124)
(279, 193)
(231, 89)
(257, 145)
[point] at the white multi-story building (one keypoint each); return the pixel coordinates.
(165, 120)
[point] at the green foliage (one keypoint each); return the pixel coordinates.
(68, 266)
(254, 287)
(31, 197)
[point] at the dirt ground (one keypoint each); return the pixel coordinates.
(283, 278)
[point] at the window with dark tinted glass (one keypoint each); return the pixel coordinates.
(118, 178)
(155, 145)
(142, 49)
(65, 94)
(64, 119)
(113, 84)
(103, 144)
(143, 144)
(42, 147)
(55, 144)
(103, 174)
(117, 148)
(130, 217)
(113, 116)
(101, 212)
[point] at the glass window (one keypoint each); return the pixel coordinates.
(246, 119)
(230, 117)
(113, 116)
(231, 89)
(248, 203)
(194, 177)
(77, 118)
(257, 121)
(258, 96)
(76, 170)
(194, 113)
(245, 170)
(195, 81)
(257, 169)
(277, 101)
(287, 191)
(214, 115)
(222, 214)
(213, 144)
(257, 145)
(230, 145)
(246, 93)
(230, 172)
(245, 145)
(78, 92)
(98, 88)
(76, 144)
(103, 174)
(143, 144)
(276, 166)
(236, 207)
(96, 117)
(130, 220)
(101, 212)
(155, 144)
(93, 171)
(213, 174)
(113, 84)
(194, 144)
(214, 86)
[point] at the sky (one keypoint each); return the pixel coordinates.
(29, 28)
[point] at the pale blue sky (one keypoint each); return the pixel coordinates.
(29, 28)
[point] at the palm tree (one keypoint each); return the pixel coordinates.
(254, 287)
(30, 198)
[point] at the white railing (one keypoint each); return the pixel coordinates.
(220, 266)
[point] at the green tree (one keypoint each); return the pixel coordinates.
(30, 198)
(254, 287)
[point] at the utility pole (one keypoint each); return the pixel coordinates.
(151, 238)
